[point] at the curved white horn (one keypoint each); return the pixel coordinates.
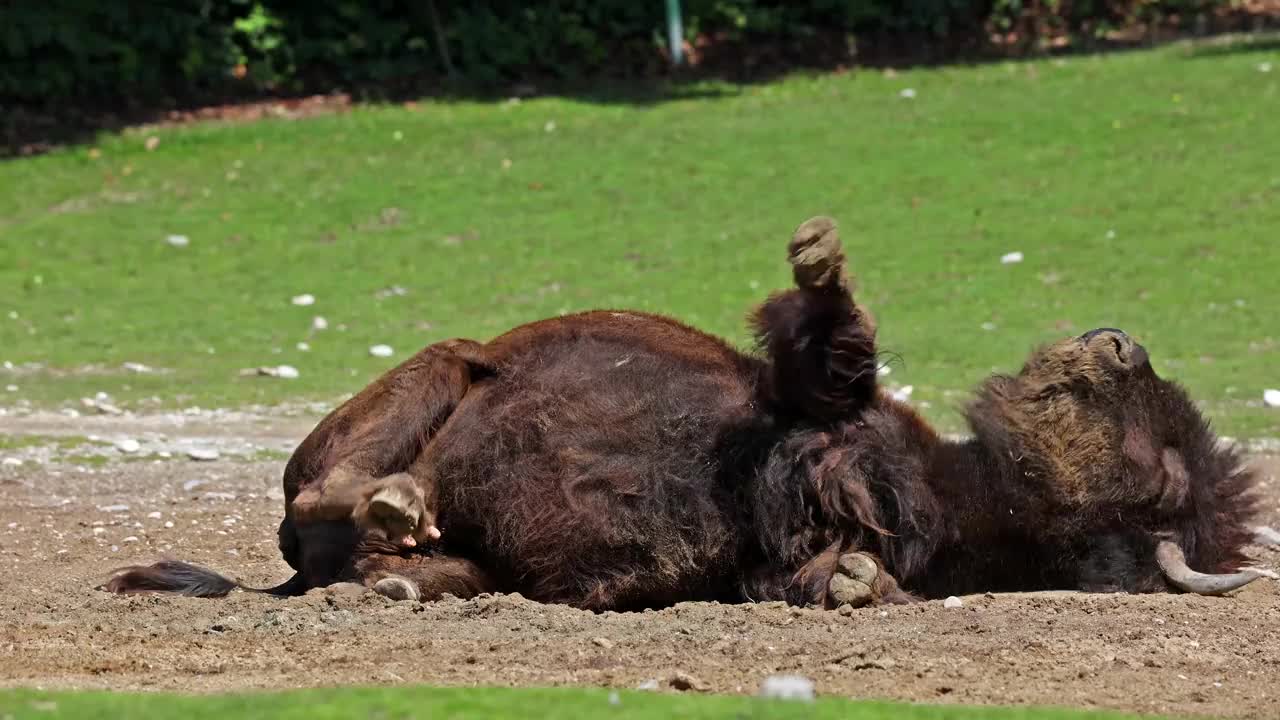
(1174, 565)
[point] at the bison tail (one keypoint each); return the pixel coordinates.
(179, 578)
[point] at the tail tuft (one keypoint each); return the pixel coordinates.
(170, 576)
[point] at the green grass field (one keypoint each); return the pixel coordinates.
(1143, 189)
(402, 704)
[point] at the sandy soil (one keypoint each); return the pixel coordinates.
(64, 527)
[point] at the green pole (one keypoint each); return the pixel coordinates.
(675, 33)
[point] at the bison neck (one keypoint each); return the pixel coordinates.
(992, 537)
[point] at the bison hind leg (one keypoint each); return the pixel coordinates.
(422, 577)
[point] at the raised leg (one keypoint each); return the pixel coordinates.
(421, 577)
(357, 466)
(820, 343)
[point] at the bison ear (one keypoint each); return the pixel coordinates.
(1162, 474)
(1177, 481)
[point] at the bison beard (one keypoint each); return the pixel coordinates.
(620, 460)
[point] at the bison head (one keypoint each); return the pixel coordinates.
(1121, 468)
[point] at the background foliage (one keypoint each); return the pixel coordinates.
(140, 50)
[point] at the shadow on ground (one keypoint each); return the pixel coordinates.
(721, 71)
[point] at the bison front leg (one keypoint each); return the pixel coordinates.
(835, 578)
(820, 342)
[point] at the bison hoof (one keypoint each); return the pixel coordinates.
(396, 588)
(395, 507)
(816, 258)
(854, 580)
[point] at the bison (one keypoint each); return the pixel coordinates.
(622, 460)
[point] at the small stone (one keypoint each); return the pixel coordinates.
(131, 538)
(128, 446)
(155, 515)
(190, 485)
(1011, 258)
(304, 300)
(605, 643)
(648, 685)
(11, 462)
(168, 523)
(1271, 398)
(137, 368)
(1264, 67)
(287, 372)
(152, 143)
(178, 240)
(952, 602)
(165, 454)
(907, 93)
(988, 326)
(203, 454)
(787, 687)
(319, 323)
(683, 681)
(381, 351)
(304, 347)
(550, 126)
(114, 508)
(1264, 535)
(99, 530)
(845, 609)
(11, 388)
(218, 496)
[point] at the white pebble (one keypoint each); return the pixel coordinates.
(137, 368)
(907, 93)
(304, 346)
(304, 299)
(204, 454)
(287, 372)
(952, 602)
(11, 388)
(381, 351)
(165, 454)
(988, 326)
(154, 515)
(128, 445)
(114, 508)
(178, 240)
(12, 462)
(787, 687)
(1264, 67)
(648, 685)
(131, 538)
(99, 530)
(168, 523)
(1271, 398)
(1011, 258)
(319, 323)
(190, 485)
(550, 126)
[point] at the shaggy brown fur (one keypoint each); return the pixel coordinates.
(620, 460)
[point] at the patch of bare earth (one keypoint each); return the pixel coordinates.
(63, 528)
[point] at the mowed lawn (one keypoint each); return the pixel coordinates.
(545, 704)
(1143, 190)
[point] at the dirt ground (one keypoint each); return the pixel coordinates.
(64, 526)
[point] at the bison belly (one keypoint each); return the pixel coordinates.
(590, 471)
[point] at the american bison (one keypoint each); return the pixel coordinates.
(621, 460)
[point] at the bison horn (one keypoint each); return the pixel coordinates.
(1174, 565)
